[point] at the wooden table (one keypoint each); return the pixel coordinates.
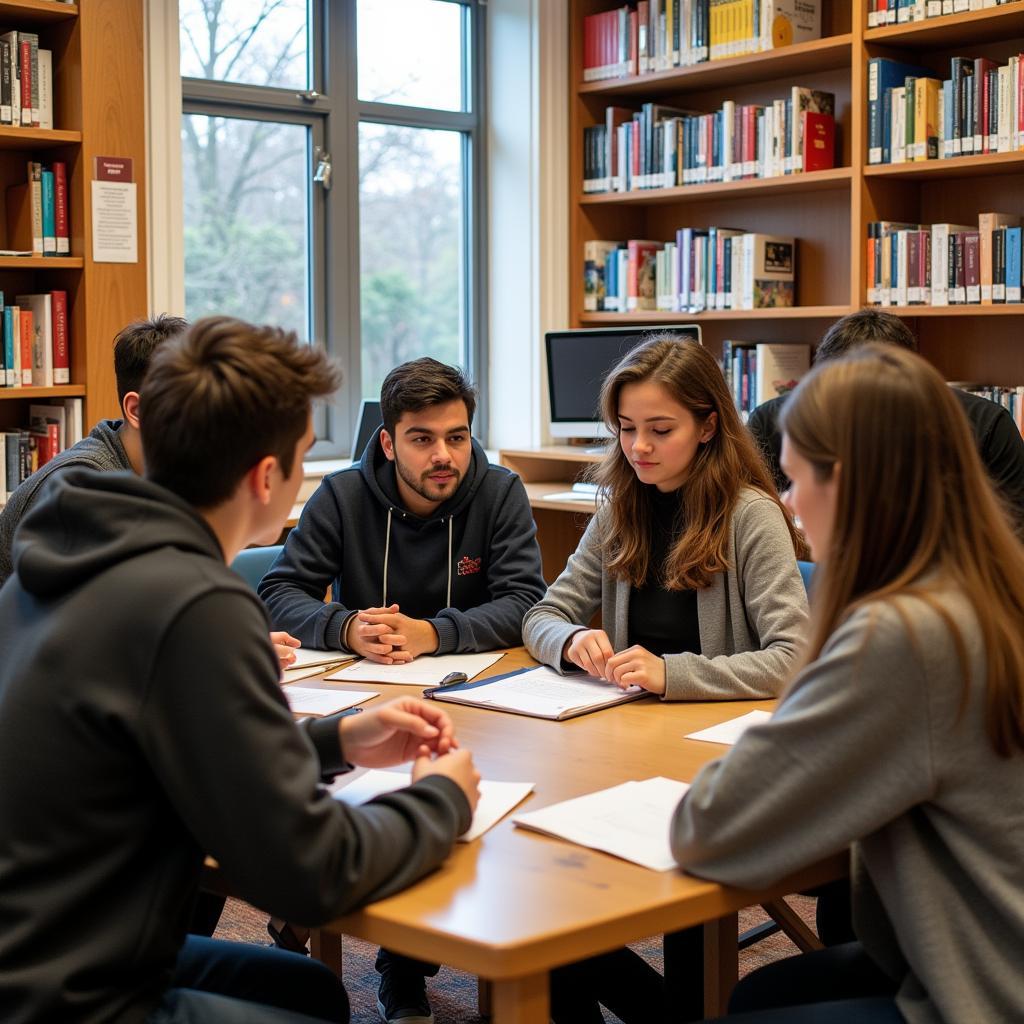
(514, 904)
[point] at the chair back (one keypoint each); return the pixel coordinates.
(806, 572)
(253, 563)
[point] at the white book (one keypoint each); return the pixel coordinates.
(901, 269)
(898, 134)
(45, 88)
(779, 369)
(73, 409)
(1005, 80)
(630, 821)
(496, 798)
(42, 340)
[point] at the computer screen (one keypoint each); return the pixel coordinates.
(370, 421)
(578, 362)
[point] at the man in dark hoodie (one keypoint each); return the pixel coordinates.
(427, 548)
(142, 724)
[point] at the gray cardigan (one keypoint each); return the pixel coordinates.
(869, 747)
(752, 617)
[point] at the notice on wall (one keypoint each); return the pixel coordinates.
(115, 223)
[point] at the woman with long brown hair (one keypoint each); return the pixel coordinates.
(690, 556)
(902, 733)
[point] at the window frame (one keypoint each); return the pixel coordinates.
(333, 112)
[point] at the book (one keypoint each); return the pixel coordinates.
(39, 309)
(819, 142)
(12, 350)
(48, 213)
(45, 88)
(61, 337)
(42, 417)
(75, 427)
(779, 369)
(972, 266)
(595, 257)
(31, 374)
(940, 260)
(769, 271)
(60, 208)
(35, 179)
(785, 22)
(987, 223)
(25, 78)
(883, 75)
(6, 117)
(641, 291)
(538, 693)
(803, 100)
(31, 40)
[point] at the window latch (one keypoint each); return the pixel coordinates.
(310, 97)
(322, 173)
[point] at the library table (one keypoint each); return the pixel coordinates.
(514, 904)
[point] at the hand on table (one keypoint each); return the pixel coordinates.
(589, 649)
(636, 666)
(284, 648)
(396, 732)
(388, 637)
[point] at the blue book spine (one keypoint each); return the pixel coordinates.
(947, 118)
(4, 364)
(884, 74)
(1013, 254)
(9, 363)
(49, 215)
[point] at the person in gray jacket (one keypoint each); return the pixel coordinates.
(902, 737)
(691, 559)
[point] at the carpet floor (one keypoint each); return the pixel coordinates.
(453, 993)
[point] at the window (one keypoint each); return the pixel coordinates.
(332, 163)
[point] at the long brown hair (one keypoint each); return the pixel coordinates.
(912, 499)
(727, 462)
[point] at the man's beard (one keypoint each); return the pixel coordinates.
(423, 485)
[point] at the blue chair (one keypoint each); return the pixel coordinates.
(253, 563)
(806, 571)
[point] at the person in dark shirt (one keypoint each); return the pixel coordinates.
(997, 438)
(143, 726)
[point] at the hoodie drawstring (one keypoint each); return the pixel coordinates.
(449, 604)
(387, 549)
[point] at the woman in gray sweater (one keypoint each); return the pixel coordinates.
(902, 737)
(691, 557)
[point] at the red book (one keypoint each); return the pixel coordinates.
(25, 53)
(982, 65)
(26, 331)
(819, 141)
(61, 349)
(750, 141)
(60, 207)
(634, 56)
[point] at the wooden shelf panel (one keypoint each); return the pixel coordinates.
(41, 263)
(60, 391)
(989, 25)
(661, 317)
(955, 167)
(36, 138)
(36, 12)
(784, 62)
(537, 493)
(815, 181)
(999, 309)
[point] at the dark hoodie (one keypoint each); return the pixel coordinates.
(471, 568)
(141, 727)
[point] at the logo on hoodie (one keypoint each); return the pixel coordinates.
(468, 566)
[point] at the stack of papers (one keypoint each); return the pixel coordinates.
(309, 701)
(309, 661)
(541, 693)
(630, 821)
(496, 798)
(729, 732)
(424, 671)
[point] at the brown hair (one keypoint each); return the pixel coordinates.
(862, 328)
(223, 396)
(723, 465)
(133, 349)
(895, 428)
(421, 383)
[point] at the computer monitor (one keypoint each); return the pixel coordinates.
(369, 422)
(578, 362)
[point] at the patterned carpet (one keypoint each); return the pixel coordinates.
(452, 993)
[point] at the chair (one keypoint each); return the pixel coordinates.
(806, 571)
(253, 563)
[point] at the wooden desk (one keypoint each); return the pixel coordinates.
(514, 904)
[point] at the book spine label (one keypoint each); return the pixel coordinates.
(61, 346)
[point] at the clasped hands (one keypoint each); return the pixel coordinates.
(388, 637)
(591, 650)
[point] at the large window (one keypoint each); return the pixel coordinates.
(332, 162)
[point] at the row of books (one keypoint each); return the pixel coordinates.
(893, 12)
(756, 371)
(36, 350)
(657, 35)
(52, 428)
(37, 212)
(1010, 398)
(945, 264)
(712, 268)
(915, 116)
(26, 81)
(661, 147)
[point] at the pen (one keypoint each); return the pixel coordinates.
(453, 678)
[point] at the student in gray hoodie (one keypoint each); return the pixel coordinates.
(902, 736)
(427, 549)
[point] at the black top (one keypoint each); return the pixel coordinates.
(663, 621)
(995, 434)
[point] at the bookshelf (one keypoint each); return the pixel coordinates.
(98, 103)
(827, 211)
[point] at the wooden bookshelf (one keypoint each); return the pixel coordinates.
(828, 211)
(98, 103)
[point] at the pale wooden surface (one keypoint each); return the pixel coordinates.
(514, 904)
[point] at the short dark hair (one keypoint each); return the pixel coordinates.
(133, 348)
(419, 383)
(861, 328)
(223, 396)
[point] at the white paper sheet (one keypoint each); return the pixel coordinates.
(305, 700)
(630, 821)
(496, 798)
(306, 657)
(729, 732)
(544, 692)
(423, 671)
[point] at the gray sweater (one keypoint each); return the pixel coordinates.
(752, 617)
(867, 748)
